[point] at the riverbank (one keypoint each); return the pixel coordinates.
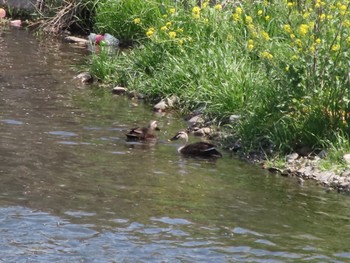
(267, 99)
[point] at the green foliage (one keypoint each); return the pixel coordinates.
(283, 66)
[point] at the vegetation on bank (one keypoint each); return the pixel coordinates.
(282, 66)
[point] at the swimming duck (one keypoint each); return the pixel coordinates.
(145, 133)
(202, 149)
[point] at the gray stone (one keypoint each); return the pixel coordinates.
(119, 90)
(196, 120)
(346, 158)
(292, 157)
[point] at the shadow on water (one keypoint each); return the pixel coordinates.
(72, 189)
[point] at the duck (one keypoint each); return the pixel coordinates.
(201, 149)
(145, 133)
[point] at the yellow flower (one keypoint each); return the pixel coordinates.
(342, 9)
(322, 17)
(335, 47)
(196, 12)
(306, 15)
(163, 28)
(312, 48)
(250, 41)
(168, 24)
(236, 17)
(292, 36)
(318, 41)
(248, 19)
(290, 4)
(172, 34)
(137, 21)
(294, 57)
(267, 18)
(265, 35)
(180, 30)
(172, 10)
(303, 29)
(239, 11)
(346, 23)
(267, 55)
(329, 17)
(150, 32)
(287, 28)
(260, 12)
(165, 16)
(250, 47)
(298, 42)
(348, 40)
(287, 68)
(180, 42)
(218, 7)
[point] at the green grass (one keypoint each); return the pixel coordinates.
(283, 66)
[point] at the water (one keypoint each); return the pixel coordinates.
(73, 190)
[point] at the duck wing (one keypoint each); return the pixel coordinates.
(201, 149)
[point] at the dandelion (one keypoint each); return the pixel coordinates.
(150, 32)
(172, 34)
(236, 17)
(295, 57)
(239, 11)
(265, 35)
(196, 12)
(172, 10)
(287, 28)
(318, 41)
(342, 9)
(168, 24)
(137, 21)
(287, 68)
(180, 42)
(267, 55)
(346, 23)
(322, 17)
(335, 47)
(218, 7)
(298, 42)
(180, 30)
(292, 36)
(260, 12)
(290, 4)
(250, 44)
(205, 4)
(312, 48)
(306, 15)
(348, 40)
(267, 18)
(248, 19)
(163, 28)
(303, 29)
(329, 17)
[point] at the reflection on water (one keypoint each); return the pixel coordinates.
(73, 190)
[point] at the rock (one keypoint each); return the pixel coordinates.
(172, 100)
(78, 40)
(346, 158)
(119, 90)
(325, 177)
(85, 77)
(201, 131)
(16, 23)
(196, 120)
(160, 106)
(292, 157)
(234, 118)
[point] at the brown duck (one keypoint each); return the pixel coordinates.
(202, 149)
(145, 133)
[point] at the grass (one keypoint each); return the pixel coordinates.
(283, 66)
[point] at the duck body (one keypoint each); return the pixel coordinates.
(202, 149)
(143, 134)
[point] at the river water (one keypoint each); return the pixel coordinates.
(73, 190)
